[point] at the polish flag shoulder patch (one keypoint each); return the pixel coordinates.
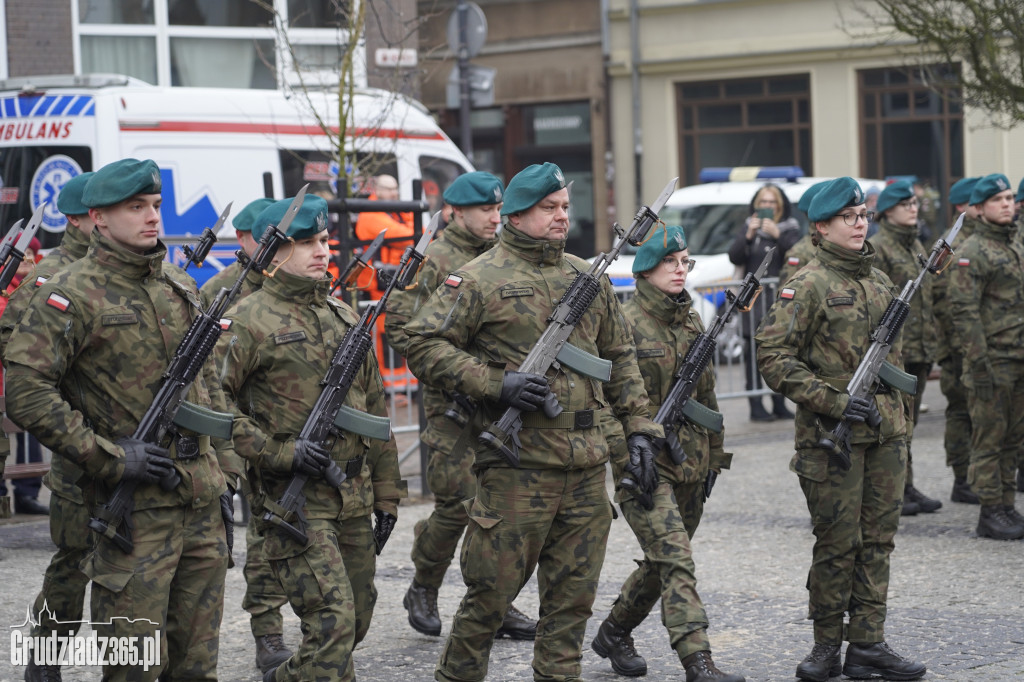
(225, 324)
(787, 293)
(453, 281)
(963, 262)
(40, 281)
(793, 260)
(58, 302)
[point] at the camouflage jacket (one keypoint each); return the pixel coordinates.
(799, 255)
(86, 361)
(282, 339)
(64, 474)
(663, 329)
(896, 252)
(225, 279)
(986, 295)
(453, 249)
(487, 316)
(815, 335)
(947, 343)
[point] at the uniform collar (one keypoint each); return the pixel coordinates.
(540, 251)
(75, 242)
(127, 262)
(992, 231)
(855, 263)
(303, 290)
(464, 239)
(660, 305)
(905, 235)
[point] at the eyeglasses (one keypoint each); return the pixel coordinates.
(670, 264)
(909, 203)
(852, 218)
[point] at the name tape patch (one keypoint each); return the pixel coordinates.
(119, 318)
(290, 337)
(839, 300)
(514, 293)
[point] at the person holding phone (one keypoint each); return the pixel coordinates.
(770, 224)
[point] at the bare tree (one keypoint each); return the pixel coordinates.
(986, 37)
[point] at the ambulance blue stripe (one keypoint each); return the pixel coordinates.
(77, 107)
(27, 104)
(9, 110)
(91, 109)
(62, 105)
(48, 105)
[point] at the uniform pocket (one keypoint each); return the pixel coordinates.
(106, 569)
(810, 464)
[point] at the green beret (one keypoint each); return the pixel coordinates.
(309, 221)
(805, 199)
(247, 216)
(893, 194)
(960, 192)
(1020, 191)
(989, 186)
(833, 198)
(474, 189)
(121, 180)
(530, 185)
(69, 201)
(660, 243)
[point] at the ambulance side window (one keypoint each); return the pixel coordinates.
(437, 174)
(320, 170)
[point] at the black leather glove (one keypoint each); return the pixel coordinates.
(858, 410)
(642, 452)
(523, 391)
(227, 512)
(382, 529)
(144, 462)
(309, 458)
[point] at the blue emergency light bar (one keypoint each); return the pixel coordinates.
(750, 173)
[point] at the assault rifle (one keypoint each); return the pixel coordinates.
(197, 254)
(350, 276)
(330, 417)
(12, 248)
(873, 368)
(169, 410)
(677, 406)
(502, 436)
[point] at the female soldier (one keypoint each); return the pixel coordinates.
(809, 345)
(664, 325)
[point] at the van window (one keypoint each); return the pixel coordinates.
(30, 176)
(320, 170)
(709, 228)
(437, 174)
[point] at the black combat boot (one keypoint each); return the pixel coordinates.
(271, 651)
(1020, 480)
(994, 523)
(1013, 514)
(758, 413)
(700, 668)
(517, 625)
(616, 644)
(870, 660)
(924, 503)
(962, 491)
(41, 673)
(779, 410)
(421, 603)
(821, 664)
(910, 508)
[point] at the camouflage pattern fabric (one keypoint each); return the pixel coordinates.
(986, 295)
(118, 310)
(225, 279)
(484, 319)
(449, 474)
(799, 255)
(809, 346)
(282, 341)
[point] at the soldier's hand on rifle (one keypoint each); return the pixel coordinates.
(310, 459)
(523, 391)
(144, 462)
(858, 409)
(641, 450)
(382, 529)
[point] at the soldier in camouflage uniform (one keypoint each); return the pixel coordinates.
(809, 345)
(801, 253)
(664, 325)
(282, 339)
(1020, 235)
(551, 513)
(987, 299)
(476, 201)
(896, 254)
(264, 595)
(950, 357)
(63, 591)
(85, 363)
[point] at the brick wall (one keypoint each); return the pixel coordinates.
(39, 37)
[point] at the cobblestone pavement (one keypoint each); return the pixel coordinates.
(956, 601)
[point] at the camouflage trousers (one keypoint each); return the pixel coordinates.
(64, 584)
(854, 515)
(174, 577)
(958, 417)
(436, 538)
(998, 431)
(667, 570)
(921, 370)
(329, 584)
(264, 595)
(550, 520)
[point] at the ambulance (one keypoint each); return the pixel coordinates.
(213, 146)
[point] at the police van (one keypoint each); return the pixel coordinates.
(213, 146)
